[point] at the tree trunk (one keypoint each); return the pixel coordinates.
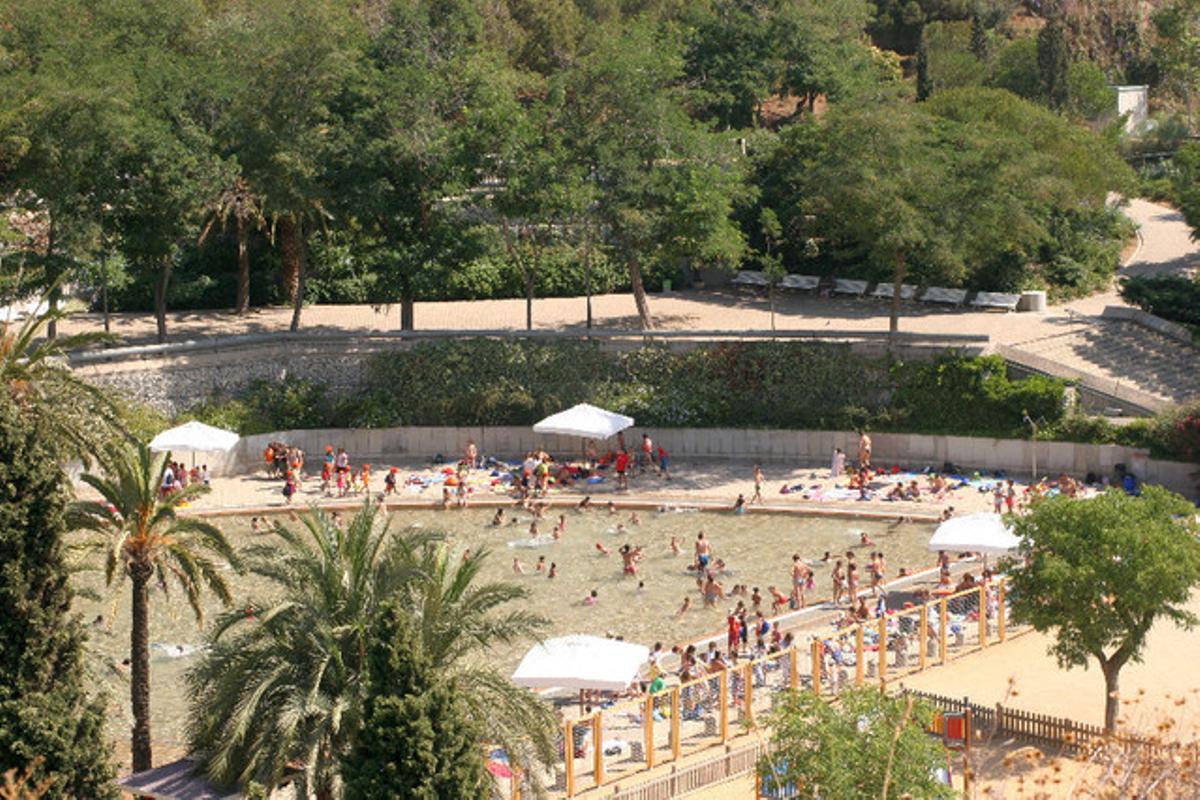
(139, 660)
(300, 246)
(408, 306)
(1112, 703)
(55, 293)
(160, 298)
(529, 301)
(639, 294)
(243, 257)
(894, 320)
(771, 300)
(289, 258)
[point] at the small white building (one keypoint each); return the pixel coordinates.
(1134, 101)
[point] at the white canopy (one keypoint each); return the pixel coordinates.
(581, 662)
(194, 437)
(584, 420)
(984, 532)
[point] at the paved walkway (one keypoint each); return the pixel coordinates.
(1072, 334)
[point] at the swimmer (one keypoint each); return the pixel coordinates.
(518, 568)
(620, 529)
(256, 524)
(634, 519)
(498, 520)
(585, 504)
(533, 530)
(756, 599)
(604, 551)
(612, 507)
(675, 546)
(703, 552)
(553, 573)
(629, 560)
(541, 564)
(561, 527)
(826, 558)
(739, 505)
(641, 587)
(779, 600)
(592, 599)
(683, 609)
(466, 556)
(864, 540)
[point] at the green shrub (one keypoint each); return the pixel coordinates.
(267, 406)
(1171, 297)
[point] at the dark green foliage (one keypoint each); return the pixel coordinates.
(785, 385)
(979, 40)
(1054, 60)
(924, 83)
(44, 711)
(269, 406)
(1172, 297)
(417, 739)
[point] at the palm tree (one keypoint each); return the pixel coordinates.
(143, 539)
(283, 681)
(236, 201)
(34, 369)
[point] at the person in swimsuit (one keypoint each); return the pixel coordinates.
(852, 582)
(758, 482)
(839, 581)
(864, 451)
(703, 552)
(799, 579)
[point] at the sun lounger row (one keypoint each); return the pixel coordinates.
(885, 290)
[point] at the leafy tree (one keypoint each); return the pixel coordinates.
(979, 39)
(237, 202)
(417, 739)
(664, 184)
(1015, 68)
(48, 724)
(78, 416)
(869, 745)
(143, 539)
(1054, 59)
(284, 681)
(1098, 574)
(1177, 50)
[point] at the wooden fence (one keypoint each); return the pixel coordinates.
(1043, 729)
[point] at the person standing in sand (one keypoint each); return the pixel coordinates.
(837, 464)
(703, 552)
(864, 451)
(758, 482)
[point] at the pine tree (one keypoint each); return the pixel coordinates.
(417, 740)
(1053, 61)
(979, 41)
(924, 82)
(48, 723)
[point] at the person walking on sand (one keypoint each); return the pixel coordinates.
(837, 464)
(864, 451)
(758, 482)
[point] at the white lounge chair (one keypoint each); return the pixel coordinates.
(1008, 302)
(805, 283)
(751, 278)
(885, 290)
(952, 297)
(853, 288)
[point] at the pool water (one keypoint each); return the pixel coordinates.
(757, 548)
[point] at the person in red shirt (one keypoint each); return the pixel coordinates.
(735, 632)
(664, 459)
(622, 469)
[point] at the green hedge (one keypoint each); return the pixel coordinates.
(1172, 297)
(759, 385)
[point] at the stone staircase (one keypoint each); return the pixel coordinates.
(1140, 369)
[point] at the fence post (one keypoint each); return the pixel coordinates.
(883, 651)
(816, 666)
(569, 756)
(944, 625)
(923, 636)
(676, 745)
(514, 791)
(983, 616)
(598, 747)
(794, 667)
(858, 656)
(1003, 612)
(649, 716)
(723, 694)
(748, 693)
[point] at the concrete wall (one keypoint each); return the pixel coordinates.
(802, 448)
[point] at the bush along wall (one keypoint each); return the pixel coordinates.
(813, 386)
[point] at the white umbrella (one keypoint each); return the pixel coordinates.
(581, 662)
(984, 532)
(584, 420)
(194, 437)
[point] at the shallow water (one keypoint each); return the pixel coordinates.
(756, 547)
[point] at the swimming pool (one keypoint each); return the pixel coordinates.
(757, 549)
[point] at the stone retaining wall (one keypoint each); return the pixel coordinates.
(807, 448)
